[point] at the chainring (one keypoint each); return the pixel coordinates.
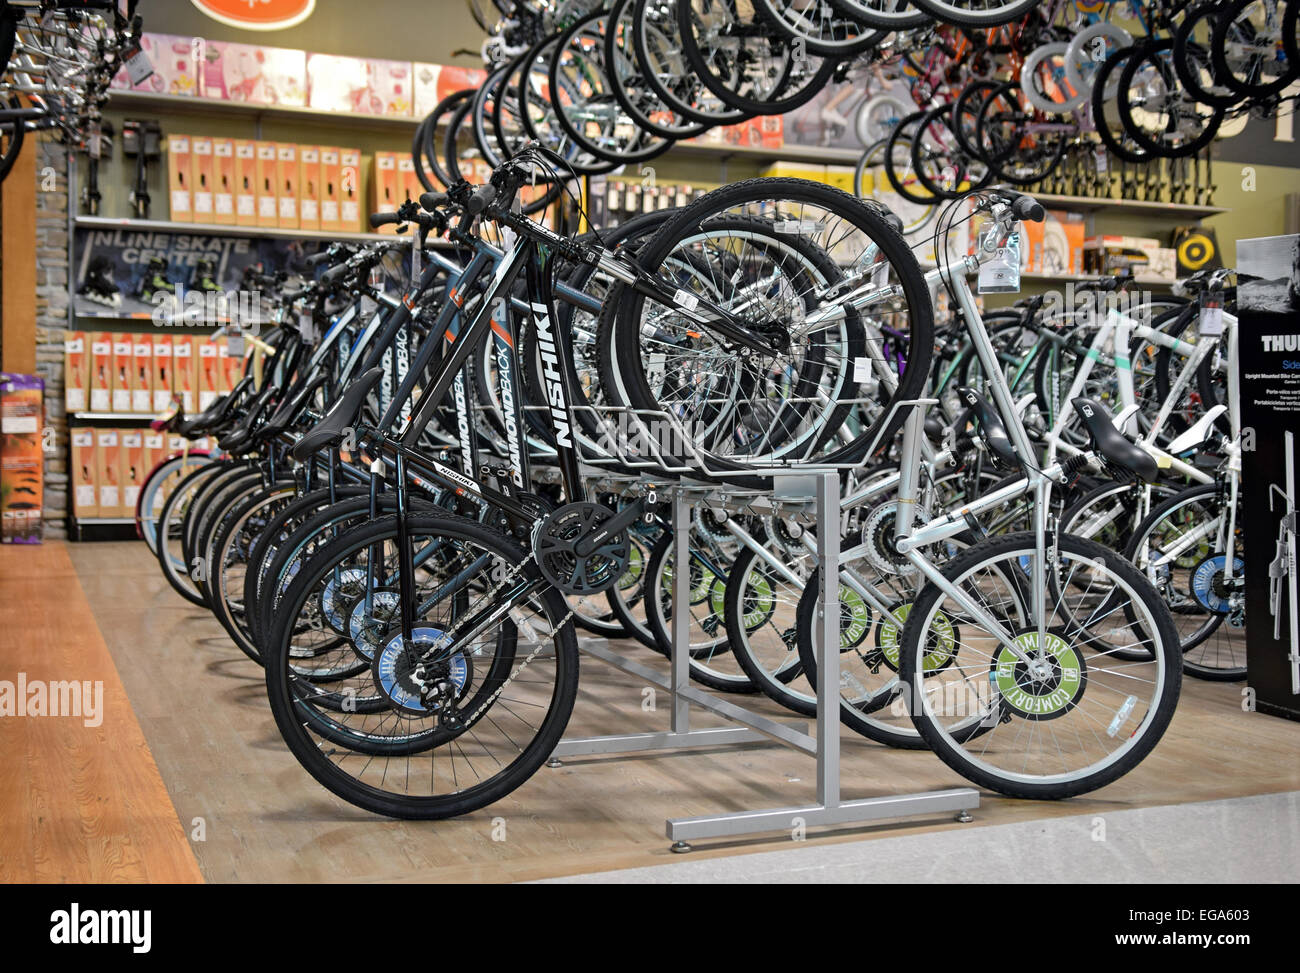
(554, 538)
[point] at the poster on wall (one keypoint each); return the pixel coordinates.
(1268, 304)
(124, 273)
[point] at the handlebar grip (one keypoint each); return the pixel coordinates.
(1028, 209)
(431, 201)
(334, 275)
(480, 199)
(383, 219)
(318, 258)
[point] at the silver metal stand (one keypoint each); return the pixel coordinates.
(820, 487)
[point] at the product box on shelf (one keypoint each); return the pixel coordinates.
(389, 84)
(155, 451)
(75, 370)
(101, 372)
(1054, 246)
(141, 373)
(21, 460)
(183, 370)
(108, 473)
(133, 469)
(223, 188)
(201, 177)
(175, 69)
(123, 369)
(339, 84)
(161, 377)
(330, 219)
(268, 196)
(431, 83)
(408, 184)
(1128, 256)
(350, 190)
(286, 156)
(179, 174)
(232, 367)
(245, 182)
(424, 87)
(384, 187)
(309, 172)
(209, 362)
(85, 492)
(254, 73)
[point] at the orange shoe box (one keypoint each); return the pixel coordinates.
(223, 186)
(209, 362)
(330, 218)
(268, 199)
(161, 376)
(183, 371)
(201, 176)
(286, 155)
(133, 470)
(384, 187)
(245, 182)
(75, 371)
(123, 368)
(101, 372)
(141, 373)
(350, 190)
(179, 166)
(85, 495)
(309, 187)
(108, 472)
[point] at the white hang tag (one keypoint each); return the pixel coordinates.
(138, 65)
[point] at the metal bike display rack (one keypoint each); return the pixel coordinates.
(810, 487)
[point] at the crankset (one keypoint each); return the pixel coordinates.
(577, 551)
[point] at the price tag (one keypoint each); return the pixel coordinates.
(94, 147)
(138, 65)
(235, 345)
(686, 299)
(369, 307)
(861, 370)
(1102, 159)
(1211, 320)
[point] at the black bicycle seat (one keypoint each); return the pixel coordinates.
(992, 430)
(240, 437)
(213, 415)
(333, 429)
(282, 417)
(1112, 444)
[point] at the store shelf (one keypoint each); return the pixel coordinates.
(105, 520)
(221, 229)
(114, 416)
(139, 101)
(1082, 278)
(787, 153)
(1138, 207)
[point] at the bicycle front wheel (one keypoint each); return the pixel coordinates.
(1064, 714)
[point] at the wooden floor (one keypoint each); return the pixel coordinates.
(78, 803)
(202, 708)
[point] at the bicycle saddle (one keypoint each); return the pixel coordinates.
(1195, 437)
(332, 429)
(1111, 443)
(992, 429)
(284, 416)
(214, 415)
(241, 436)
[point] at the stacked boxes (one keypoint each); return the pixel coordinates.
(140, 372)
(246, 182)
